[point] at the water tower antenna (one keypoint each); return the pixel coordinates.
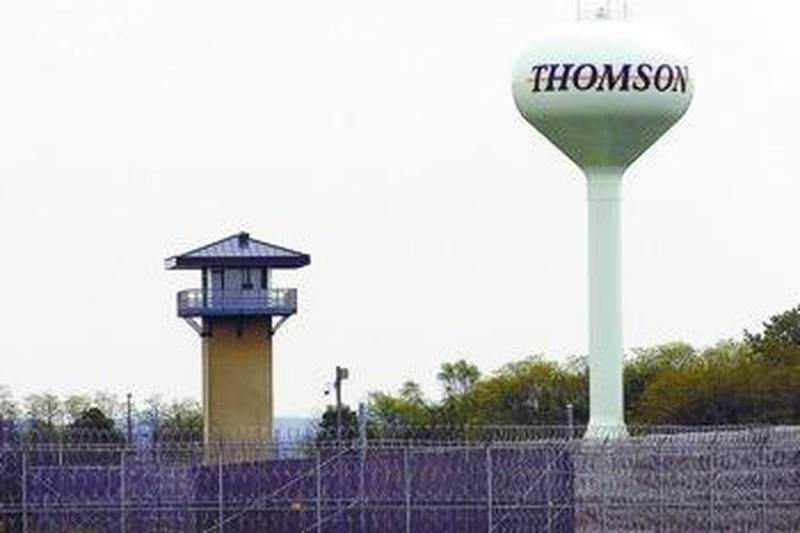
(602, 9)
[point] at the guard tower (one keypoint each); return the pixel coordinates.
(236, 312)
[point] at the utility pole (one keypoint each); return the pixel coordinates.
(341, 375)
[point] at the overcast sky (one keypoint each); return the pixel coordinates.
(381, 138)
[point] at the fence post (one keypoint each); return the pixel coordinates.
(319, 491)
(122, 525)
(764, 469)
(362, 439)
(24, 490)
(220, 489)
(548, 491)
(489, 489)
(605, 483)
(713, 488)
(661, 486)
(407, 482)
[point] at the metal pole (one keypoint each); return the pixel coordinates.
(24, 491)
(130, 424)
(341, 375)
(220, 492)
(362, 425)
(571, 420)
(156, 436)
(338, 406)
(338, 387)
(764, 486)
(362, 438)
(604, 195)
(319, 491)
(122, 526)
(712, 491)
(489, 490)
(661, 487)
(407, 480)
(549, 495)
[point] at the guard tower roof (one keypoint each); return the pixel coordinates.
(239, 250)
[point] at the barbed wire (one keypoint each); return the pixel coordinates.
(376, 435)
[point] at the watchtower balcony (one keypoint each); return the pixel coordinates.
(220, 302)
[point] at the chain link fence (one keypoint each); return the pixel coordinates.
(501, 479)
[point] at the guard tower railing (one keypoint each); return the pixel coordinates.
(215, 302)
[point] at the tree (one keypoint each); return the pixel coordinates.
(647, 363)
(727, 353)
(407, 412)
(109, 404)
(75, 405)
(154, 410)
(745, 393)
(45, 415)
(411, 392)
(44, 409)
(326, 428)
(93, 426)
(183, 421)
(577, 364)
(779, 342)
(532, 391)
(529, 392)
(458, 378)
(9, 410)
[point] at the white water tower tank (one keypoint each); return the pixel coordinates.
(603, 90)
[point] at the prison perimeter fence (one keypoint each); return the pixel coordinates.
(437, 480)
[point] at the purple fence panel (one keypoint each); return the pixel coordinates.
(686, 482)
(10, 489)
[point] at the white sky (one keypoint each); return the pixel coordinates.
(381, 138)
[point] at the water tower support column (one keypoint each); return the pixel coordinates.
(606, 415)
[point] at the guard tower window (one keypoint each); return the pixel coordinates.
(247, 280)
(218, 278)
(264, 285)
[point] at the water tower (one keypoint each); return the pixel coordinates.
(603, 90)
(237, 312)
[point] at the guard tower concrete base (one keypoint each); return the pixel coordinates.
(237, 380)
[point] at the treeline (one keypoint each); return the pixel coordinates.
(752, 380)
(100, 417)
